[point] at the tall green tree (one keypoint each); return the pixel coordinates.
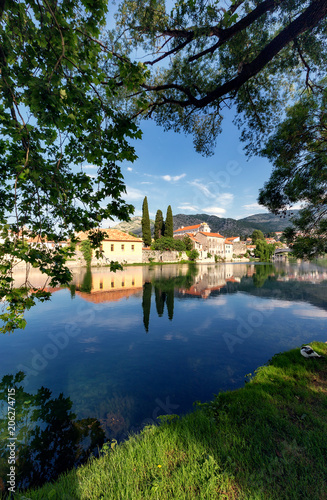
(257, 235)
(298, 151)
(57, 119)
(158, 225)
(146, 228)
(169, 223)
(263, 251)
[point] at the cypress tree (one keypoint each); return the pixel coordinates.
(169, 224)
(158, 225)
(146, 229)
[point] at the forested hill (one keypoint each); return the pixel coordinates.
(227, 227)
(232, 227)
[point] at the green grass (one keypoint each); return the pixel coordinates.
(267, 440)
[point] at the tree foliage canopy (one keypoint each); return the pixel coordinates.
(202, 56)
(298, 151)
(56, 117)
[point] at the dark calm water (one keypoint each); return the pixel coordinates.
(126, 347)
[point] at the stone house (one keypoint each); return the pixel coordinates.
(119, 246)
(213, 243)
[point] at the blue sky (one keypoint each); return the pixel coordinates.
(169, 172)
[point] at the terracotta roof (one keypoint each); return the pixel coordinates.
(192, 237)
(112, 235)
(217, 235)
(187, 228)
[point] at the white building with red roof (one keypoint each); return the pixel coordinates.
(192, 229)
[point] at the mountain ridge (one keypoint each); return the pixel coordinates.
(266, 222)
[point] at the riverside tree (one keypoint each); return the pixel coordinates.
(146, 228)
(158, 225)
(58, 124)
(169, 223)
(298, 151)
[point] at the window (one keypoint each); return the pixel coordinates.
(101, 285)
(132, 248)
(133, 282)
(112, 248)
(123, 283)
(112, 284)
(123, 247)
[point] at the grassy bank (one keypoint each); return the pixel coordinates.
(267, 440)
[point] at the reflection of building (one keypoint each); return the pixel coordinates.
(119, 246)
(104, 286)
(211, 279)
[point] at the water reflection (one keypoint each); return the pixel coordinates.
(200, 281)
(50, 439)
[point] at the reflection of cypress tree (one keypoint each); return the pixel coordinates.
(170, 303)
(160, 300)
(87, 281)
(146, 304)
(72, 289)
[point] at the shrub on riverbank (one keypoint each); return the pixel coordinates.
(267, 440)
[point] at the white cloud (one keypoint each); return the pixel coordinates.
(214, 210)
(225, 198)
(146, 182)
(203, 188)
(133, 194)
(90, 166)
(92, 176)
(175, 178)
(254, 206)
(129, 169)
(186, 206)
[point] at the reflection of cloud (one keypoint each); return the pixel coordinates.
(217, 301)
(272, 304)
(88, 340)
(310, 313)
(188, 305)
(120, 323)
(177, 336)
(91, 349)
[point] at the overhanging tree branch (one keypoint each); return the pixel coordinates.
(316, 11)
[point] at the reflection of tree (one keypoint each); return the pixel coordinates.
(170, 304)
(87, 281)
(160, 300)
(49, 438)
(261, 274)
(146, 304)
